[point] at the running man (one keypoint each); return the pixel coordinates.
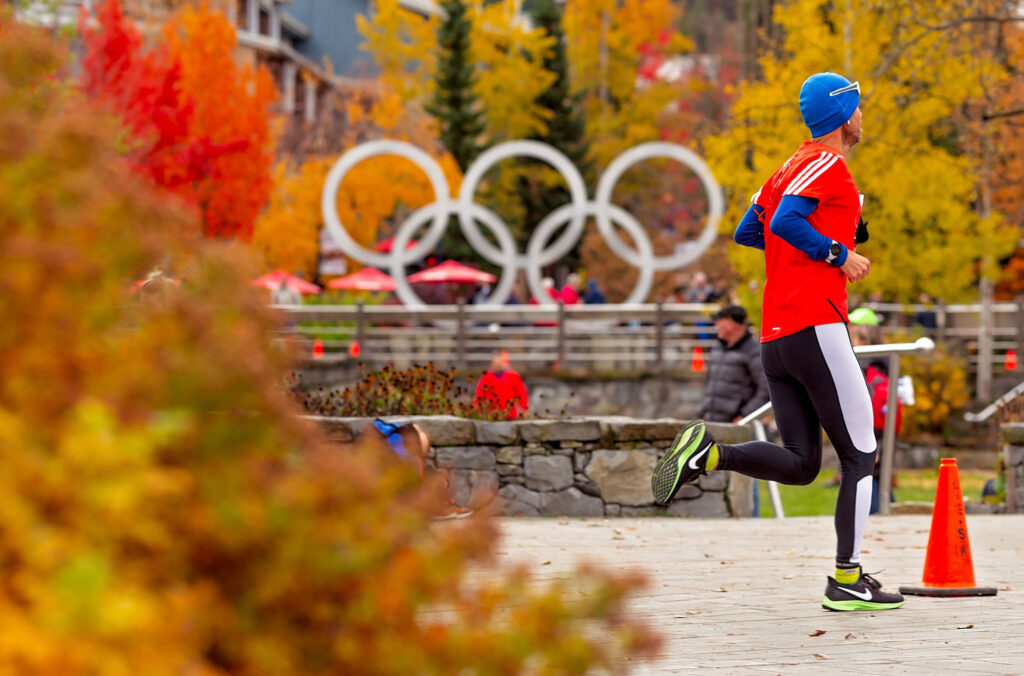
(805, 219)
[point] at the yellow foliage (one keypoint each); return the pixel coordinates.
(287, 232)
(926, 235)
(603, 41)
(940, 388)
(162, 508)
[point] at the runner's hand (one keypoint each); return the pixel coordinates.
(856, 266)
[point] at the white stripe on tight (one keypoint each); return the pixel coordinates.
(811, 166)
(854, 400)
(860, 515)
(796, 189)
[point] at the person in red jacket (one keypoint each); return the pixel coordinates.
(502, 390)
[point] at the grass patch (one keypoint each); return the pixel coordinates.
(914, 485)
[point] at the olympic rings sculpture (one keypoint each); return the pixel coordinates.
(505, 254)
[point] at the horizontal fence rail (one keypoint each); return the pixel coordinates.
(609, 336)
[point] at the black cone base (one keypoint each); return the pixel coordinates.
(948, 591)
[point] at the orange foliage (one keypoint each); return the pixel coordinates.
(162, 509)
(231, 104)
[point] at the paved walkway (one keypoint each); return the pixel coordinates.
(744, 596)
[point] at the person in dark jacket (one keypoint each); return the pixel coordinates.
(736, 385)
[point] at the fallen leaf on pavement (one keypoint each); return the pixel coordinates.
(966, 626)
(821, 657)
(546, 563)
(849, 636)
(817, 632)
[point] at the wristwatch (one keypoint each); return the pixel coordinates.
(834, 251)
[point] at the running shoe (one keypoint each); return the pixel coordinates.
(864, 594)
(685, 461)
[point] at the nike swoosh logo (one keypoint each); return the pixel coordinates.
(865, 595)
(694, 459)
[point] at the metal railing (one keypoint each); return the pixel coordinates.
(996, 406)
(611, 336)
(893, 351)
(603, 337)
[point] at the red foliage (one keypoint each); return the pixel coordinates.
(167, 142)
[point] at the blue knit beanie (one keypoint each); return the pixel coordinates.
(823, 112)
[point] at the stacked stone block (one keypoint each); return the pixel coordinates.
(1013, 463)
(597, 466)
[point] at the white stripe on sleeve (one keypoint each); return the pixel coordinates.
(811, 166)
(795, 189)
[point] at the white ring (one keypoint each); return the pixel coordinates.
(506, 254)
(345, 163)
(647, 151)
(503, 151)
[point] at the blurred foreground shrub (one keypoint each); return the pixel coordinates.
(162, 509)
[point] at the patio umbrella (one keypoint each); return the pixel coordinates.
(367, 279)
(452, 271)
(385, 245)
(272, 281)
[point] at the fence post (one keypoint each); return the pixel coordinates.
(941, 321)
(659, 336)
(889, 436)
(460, 335)
(360, 329)
(1020, 332)
(561, 335)
(985, 338)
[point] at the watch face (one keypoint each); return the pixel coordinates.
(835, 249)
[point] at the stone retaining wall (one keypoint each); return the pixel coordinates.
(1013, 463)
(568, 467)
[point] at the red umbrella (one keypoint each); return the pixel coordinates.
(452, 271)
(367, 279)
(272, 281)
(385, 245)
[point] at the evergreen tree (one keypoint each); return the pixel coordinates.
(565, 127)
(453, 104)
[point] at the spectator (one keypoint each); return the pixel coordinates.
(502, 390)
(927, 318)
(700, 290)
(736, 384)
(483, 292)
(286, 295)
(570, 294)
(593, 296)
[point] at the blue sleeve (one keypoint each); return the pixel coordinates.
(790, 224)
(750, 231)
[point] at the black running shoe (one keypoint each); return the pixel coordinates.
(864, 594)
(685, 461)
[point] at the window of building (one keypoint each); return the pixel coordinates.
(264, 21)
(242, 14)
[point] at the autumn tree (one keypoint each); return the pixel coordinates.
(541, 190)
(920, 188)
(163, 509)
(453, 103)
(196, 124)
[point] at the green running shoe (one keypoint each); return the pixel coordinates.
(685, 461)
(864, 594)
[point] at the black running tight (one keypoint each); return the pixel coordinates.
(815, 381)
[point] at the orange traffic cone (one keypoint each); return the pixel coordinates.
(948, 568)
(697, 363)
(318, 349)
